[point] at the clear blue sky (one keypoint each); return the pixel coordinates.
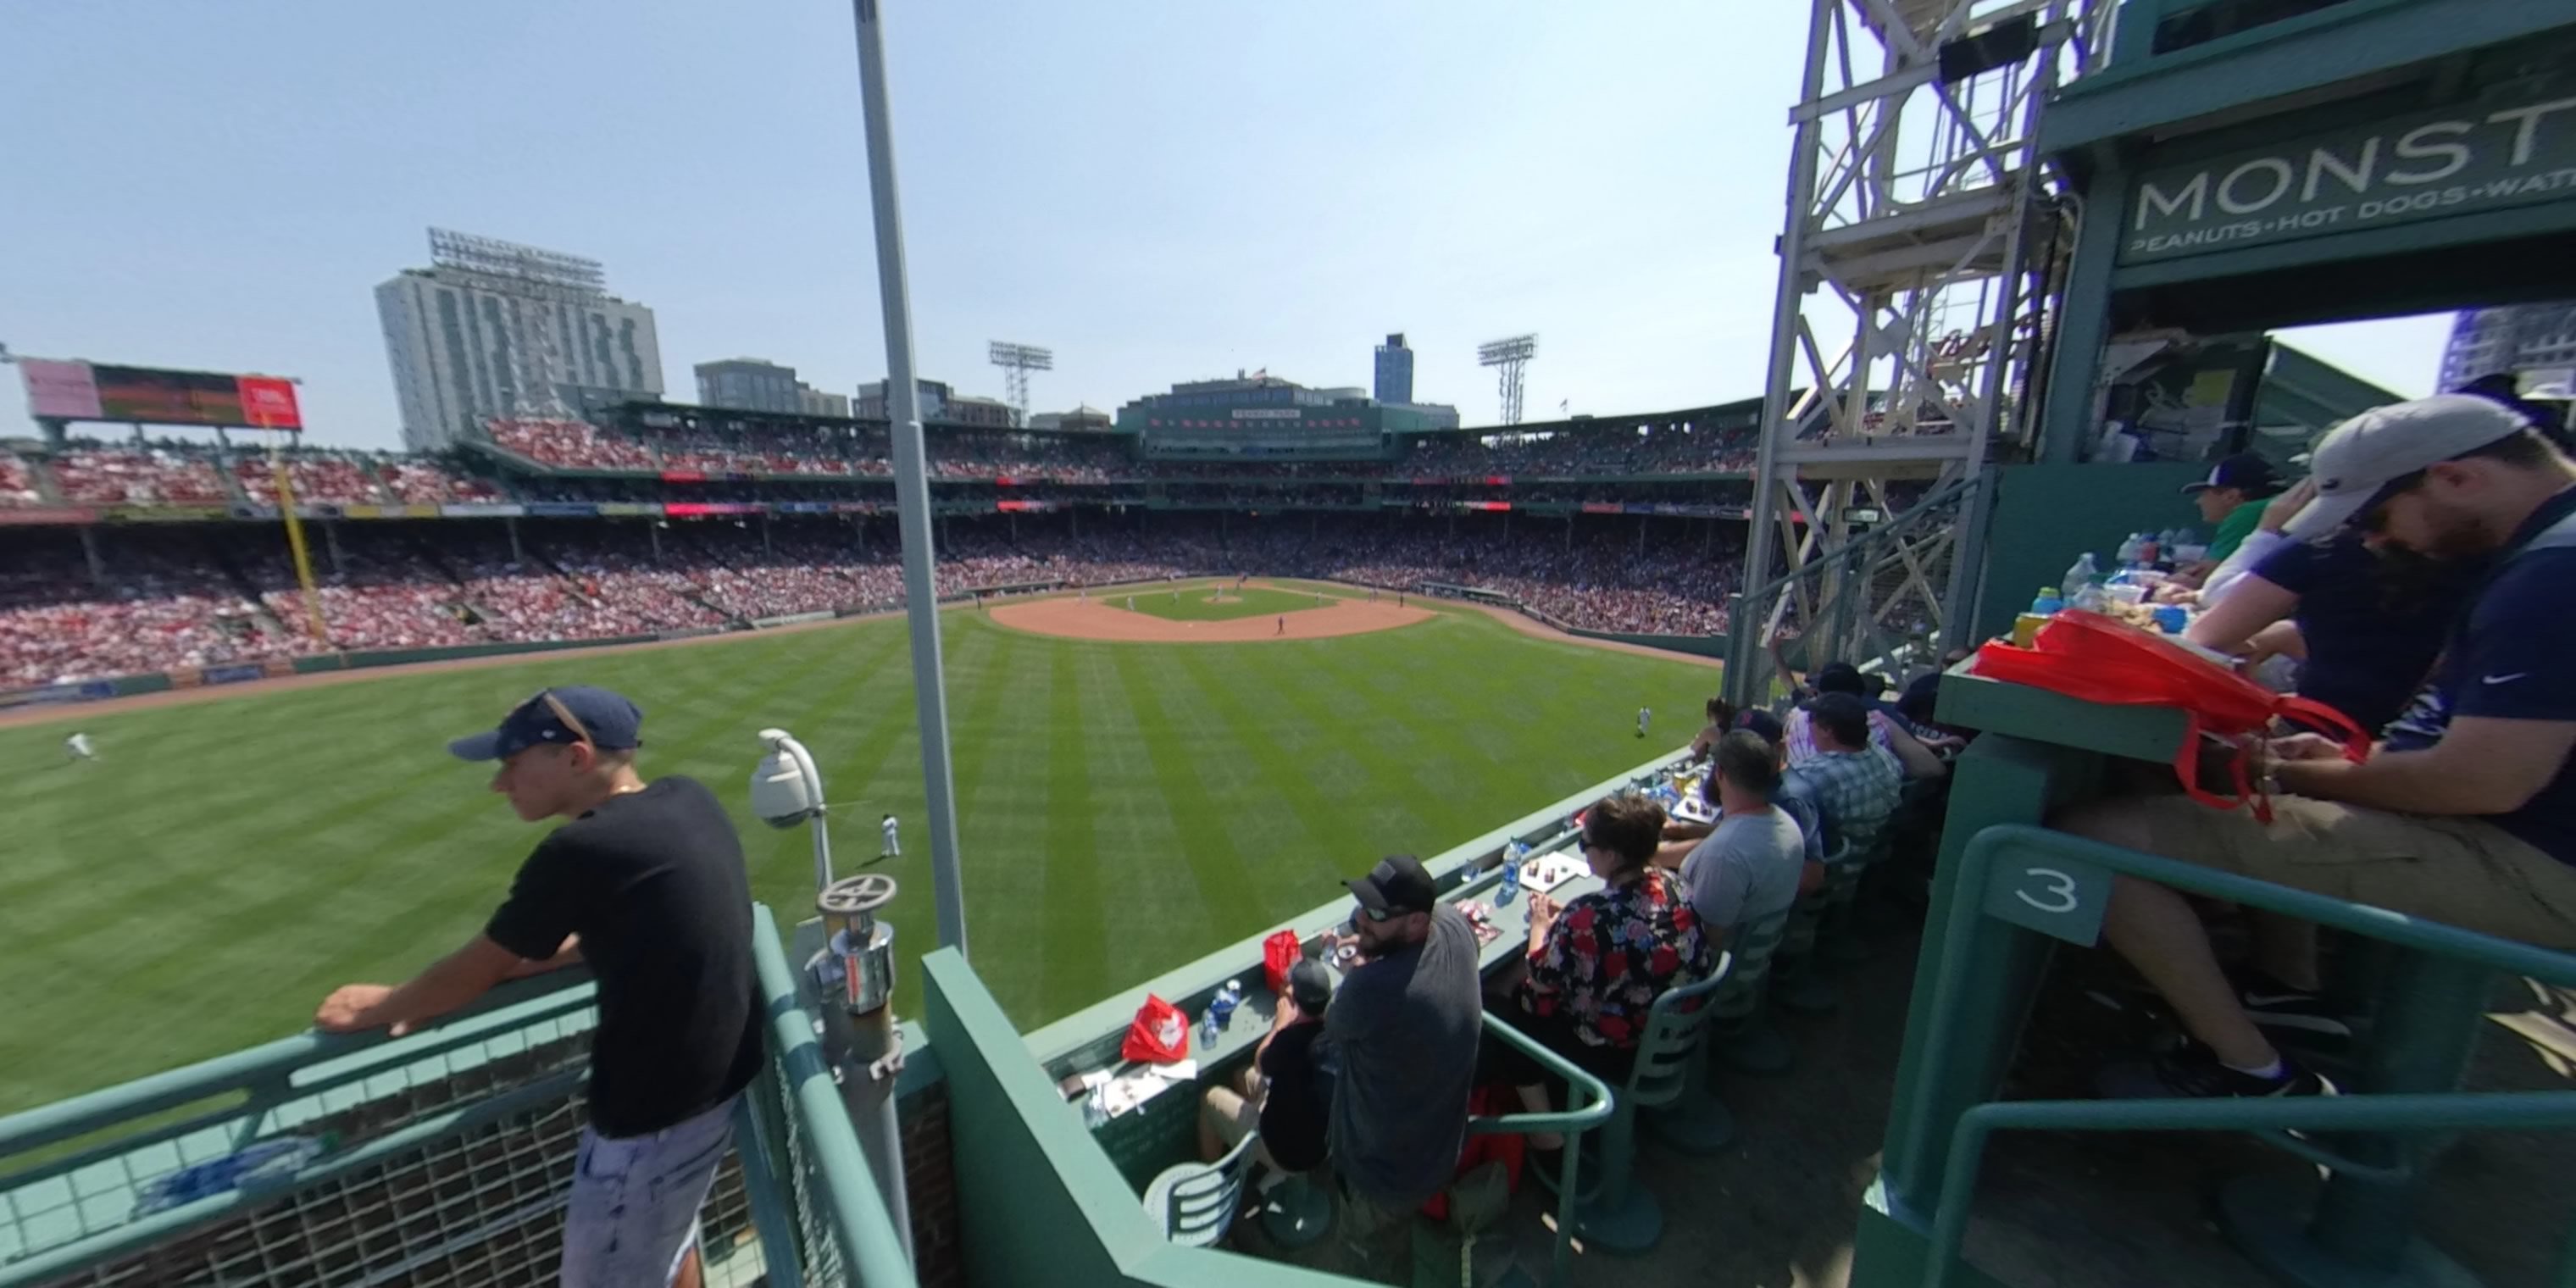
(1159, 190)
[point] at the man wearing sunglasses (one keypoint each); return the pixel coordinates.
(1404, 1026)
(2465, 814)
(645, 882)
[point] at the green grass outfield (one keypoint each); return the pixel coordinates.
(1124, 809)
(1197, 603)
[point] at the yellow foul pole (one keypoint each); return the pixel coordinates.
(295, 545)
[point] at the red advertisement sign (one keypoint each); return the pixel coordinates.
(269, 403)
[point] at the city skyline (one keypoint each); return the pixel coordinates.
(1198, 201)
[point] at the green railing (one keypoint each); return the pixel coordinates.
(445, 1155)
(801, 1155)
(1588, 1106)
(2016, 878)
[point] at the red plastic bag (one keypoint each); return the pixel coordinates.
(1160, 1034)
(2101, 659)
(1278, 953)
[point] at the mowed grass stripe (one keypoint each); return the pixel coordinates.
(1153, 913)
(1071, 935)
(1208, 844)
(1303, 831)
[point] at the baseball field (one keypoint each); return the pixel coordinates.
(1124, 807)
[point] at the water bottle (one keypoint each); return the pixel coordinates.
(267, 1161)
(2082, 574)
(1511, 887)
(2129, 548)
(1220, 1009)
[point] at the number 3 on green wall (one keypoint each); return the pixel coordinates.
(2061, 898)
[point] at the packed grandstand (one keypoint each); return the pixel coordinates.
(87, 591)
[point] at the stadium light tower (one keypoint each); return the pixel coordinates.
(1016, 362)
(1512, 355)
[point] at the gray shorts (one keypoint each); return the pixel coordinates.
(634, 1209)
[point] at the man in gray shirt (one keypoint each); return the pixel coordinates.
(1404, 1026)
(1748, 868)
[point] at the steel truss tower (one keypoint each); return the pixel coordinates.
(1512, 355)
(1917, 261)
(1016, 362)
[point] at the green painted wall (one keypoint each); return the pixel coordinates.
(1037, 1200)
(2046, 515)
(1695, 645)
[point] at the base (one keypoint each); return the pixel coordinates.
(1694, 1124)
(1806, 995)
(1296, 1212)
(2271, 1228)
(1759, 1049)
(1629, 1229)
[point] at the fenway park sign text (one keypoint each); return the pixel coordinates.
(2497, 153)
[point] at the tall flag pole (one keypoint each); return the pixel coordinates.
(911, 485)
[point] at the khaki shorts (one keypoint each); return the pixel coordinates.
(2461, 871)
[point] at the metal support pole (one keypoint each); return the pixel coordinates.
(331, 543)
(90, 555)
(911, 482)
(518, 554)
(1743, 642)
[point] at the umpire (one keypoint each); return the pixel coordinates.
(645, 882)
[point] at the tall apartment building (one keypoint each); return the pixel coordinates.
(2512, 337)
(749, 384)
(495, 329)
(1394, 371)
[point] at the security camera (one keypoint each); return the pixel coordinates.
(783, 793)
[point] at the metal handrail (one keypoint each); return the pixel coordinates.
(1586, 1091)
(869, 1243)
(2270, 1119)
(271, 1066)
(268, 1075)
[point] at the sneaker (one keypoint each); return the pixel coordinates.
(2192, 1071)
(2274, 1005)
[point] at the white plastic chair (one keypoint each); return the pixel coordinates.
(1195, 1203)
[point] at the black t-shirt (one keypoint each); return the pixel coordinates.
(1297, 1112)
(2368, 651)
(654, 883)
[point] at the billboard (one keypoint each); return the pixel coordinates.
(153, 396)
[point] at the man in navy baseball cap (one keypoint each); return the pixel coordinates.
(645, 883)
(573, 713)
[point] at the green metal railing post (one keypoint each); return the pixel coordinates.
(2419, 1045)
(870, 1247)
(1940, 1125)
(1587, 1106)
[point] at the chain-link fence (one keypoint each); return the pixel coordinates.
(438, 1159)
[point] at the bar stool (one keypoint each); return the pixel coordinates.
(2362, 1224)
(1800, 987)
(1616, 1214)
(1698, 1121)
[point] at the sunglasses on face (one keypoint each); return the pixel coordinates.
(1378, 914)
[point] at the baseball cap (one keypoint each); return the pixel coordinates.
(1310, 985)
(1838, 677)
(2384, 444)
(2244, 471)
(1398, 884)
(570, 714)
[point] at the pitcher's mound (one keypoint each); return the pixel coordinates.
(1094, 619)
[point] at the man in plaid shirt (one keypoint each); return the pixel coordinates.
(1857, 781)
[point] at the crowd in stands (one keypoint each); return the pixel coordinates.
(572, 444)
(964, 454)
(207, 594)
(17, 482)
(149, 475)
